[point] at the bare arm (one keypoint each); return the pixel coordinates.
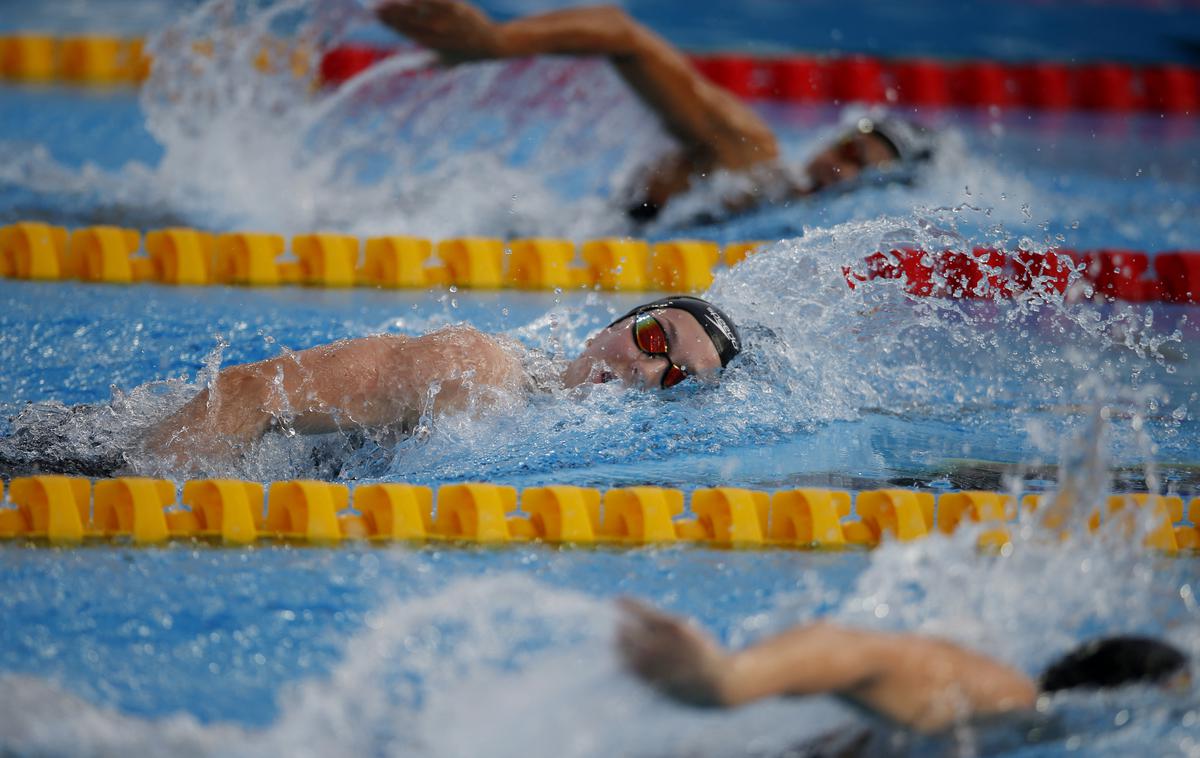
(920, 682)
(716, 129)
(367, 382)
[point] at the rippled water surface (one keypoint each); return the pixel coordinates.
(451, 651)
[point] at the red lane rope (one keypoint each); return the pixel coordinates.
(989, 273)
(1112, 87)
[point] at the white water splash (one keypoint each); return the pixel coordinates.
(512, 147)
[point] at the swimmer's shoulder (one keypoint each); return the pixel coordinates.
(504, 359)
(452, 337)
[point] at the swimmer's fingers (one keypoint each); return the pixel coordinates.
(409, 19)
(395, 13)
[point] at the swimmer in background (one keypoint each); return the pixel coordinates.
(390, 381)
(920, 685)
(714, 130)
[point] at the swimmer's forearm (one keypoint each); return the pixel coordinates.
(598, 30)
(810, 660)
(210, 425)
(716, 129)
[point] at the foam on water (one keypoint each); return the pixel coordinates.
(512, 664)
(515, 147)
(545, 147)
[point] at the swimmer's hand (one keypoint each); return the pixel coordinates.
(457, 30)
(671, 655)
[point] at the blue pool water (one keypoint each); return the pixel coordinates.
(439, 651)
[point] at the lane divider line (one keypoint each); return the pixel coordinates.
(180, 256)
(97, 59)
(61, 510)
(913, 82)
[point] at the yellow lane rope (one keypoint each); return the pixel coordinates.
(65, 510)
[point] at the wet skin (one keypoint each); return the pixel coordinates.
(713, 128)
(845, 160)
(387, 380)
(926, 684)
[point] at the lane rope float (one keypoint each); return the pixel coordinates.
(913, 82)
(1107, 86)
(180, 256)
(62, 510)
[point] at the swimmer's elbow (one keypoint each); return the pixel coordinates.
(242, 387)
(617, 17)
(455, 356)
(626, 35)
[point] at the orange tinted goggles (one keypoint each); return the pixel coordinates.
(651, 338)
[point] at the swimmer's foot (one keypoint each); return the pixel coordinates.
(457, 30)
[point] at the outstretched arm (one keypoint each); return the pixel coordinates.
(715, 128)
(677, 658)
(367, 382)
(923, 683)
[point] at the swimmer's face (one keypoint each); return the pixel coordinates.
(613, 355)
(849, 157)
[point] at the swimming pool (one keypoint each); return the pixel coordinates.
(451, 651)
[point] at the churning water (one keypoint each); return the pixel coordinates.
(440, 652)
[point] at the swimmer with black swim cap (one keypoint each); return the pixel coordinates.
(713, 129)
(391, 381)
(911, 684)
(659, 344)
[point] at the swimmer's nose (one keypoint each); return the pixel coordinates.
(647, 370)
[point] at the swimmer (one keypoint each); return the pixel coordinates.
(389, 381)
(714, 130)
(921, 684)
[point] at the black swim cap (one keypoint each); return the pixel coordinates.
(1113, 662)
(719, 327)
